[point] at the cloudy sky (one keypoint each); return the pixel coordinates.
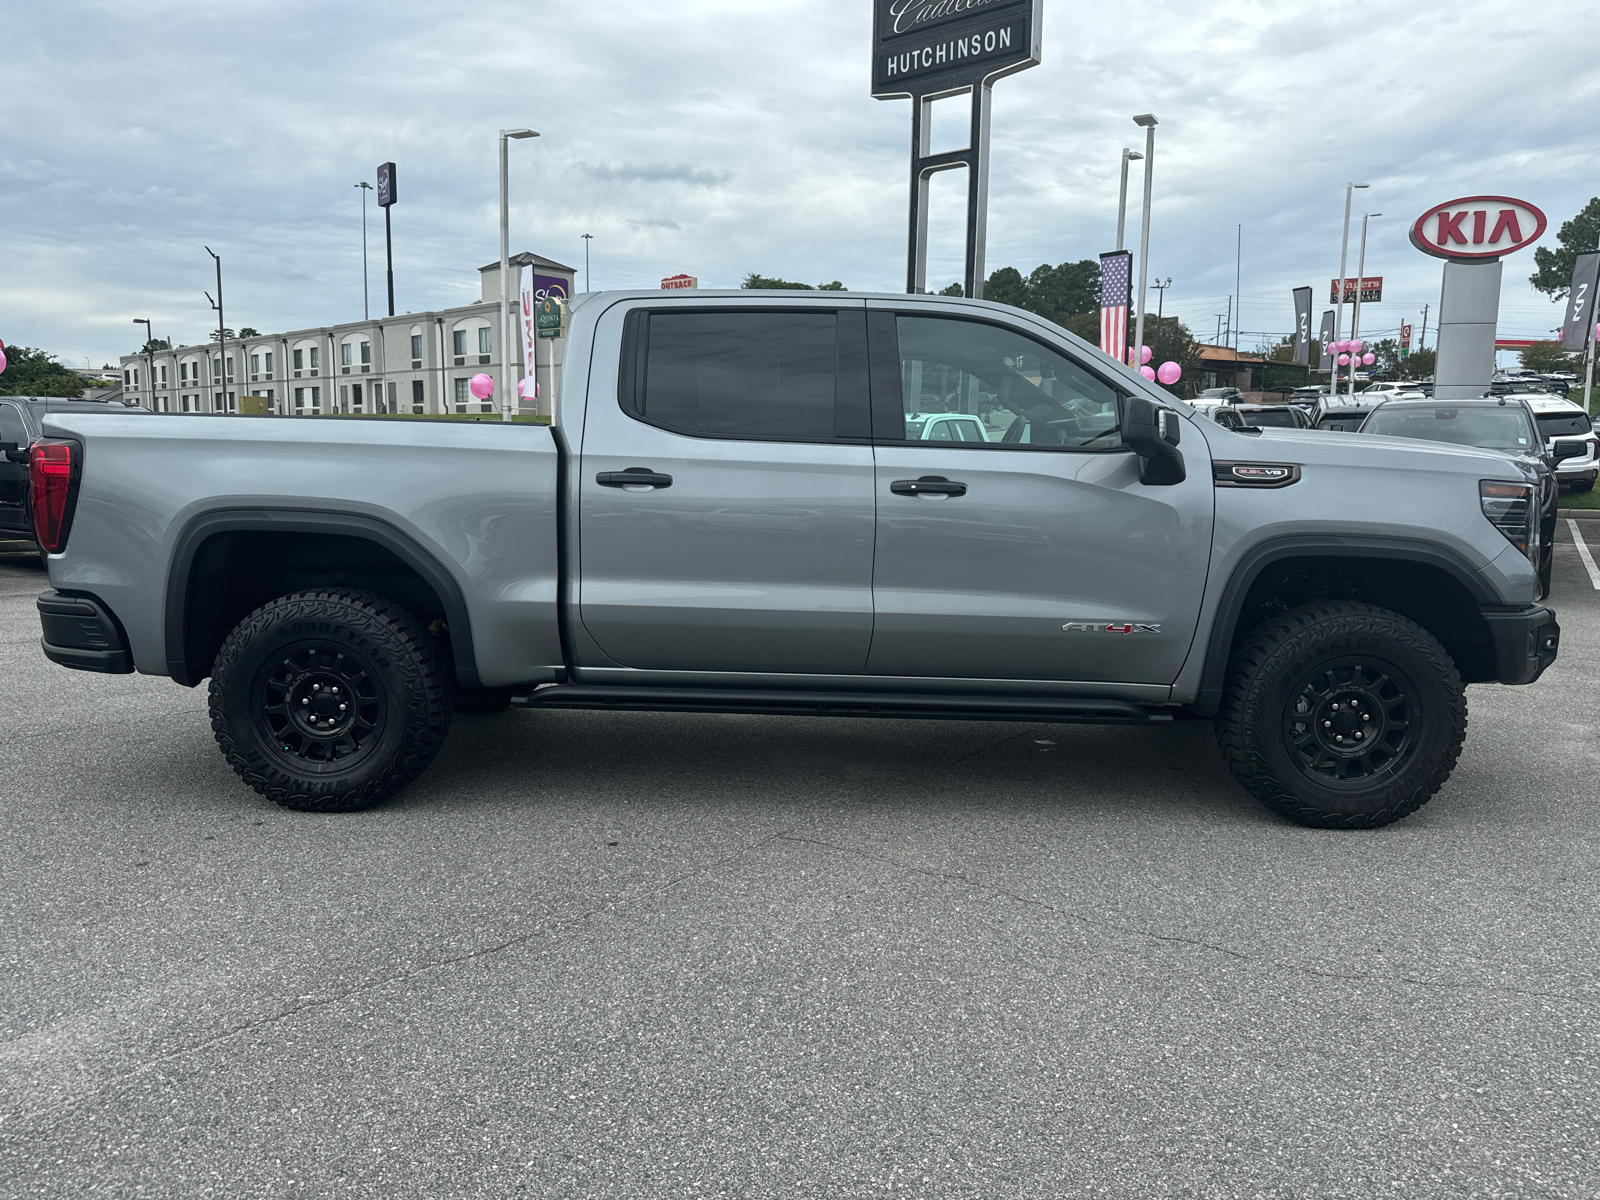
(719, 137)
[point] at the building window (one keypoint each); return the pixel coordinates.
(461, 395)
(127, 379)
(355, 398)
(255, 367)
(269, 364)
(314, 358)
(416, 347)
(299, 399)
(216, 401)
(163, 374)
(299, 360)
(418, 401)
(344, 397)
(316, 399)
(344, 355)
(230, 366)
(483, 341)
(366, 354)
(391, 407)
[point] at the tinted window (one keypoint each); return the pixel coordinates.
(11, 427)
(742, 374)
(1281, 419)
(1564, 424)
(1490, 427)
(1021, 392)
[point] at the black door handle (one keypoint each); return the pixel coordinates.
(928, 485)
(634, 477)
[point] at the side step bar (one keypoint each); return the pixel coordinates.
(897, 705)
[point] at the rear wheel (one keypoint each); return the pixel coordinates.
(330, 700)
(1342, 716)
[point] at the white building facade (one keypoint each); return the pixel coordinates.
(419, 363)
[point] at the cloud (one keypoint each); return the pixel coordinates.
(720, 137)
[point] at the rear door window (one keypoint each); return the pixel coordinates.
(769, 376)
(11, 427)
(1563, 424)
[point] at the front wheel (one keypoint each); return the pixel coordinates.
(1342, 716)
(330, 700)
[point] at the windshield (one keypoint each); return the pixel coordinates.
(1496, 427)
(1273, 419)
(1563, 424)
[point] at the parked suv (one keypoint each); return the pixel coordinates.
(1566, 421)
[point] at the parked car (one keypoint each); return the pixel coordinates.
(946, 427)
(21, 419)
(1566, 421)
(1308, 396)
(1340, 415)
(1504, 425)
(1390, 390)
(1261, 416)
(1222, 395)
(729, 514)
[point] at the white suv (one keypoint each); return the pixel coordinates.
(1567, 421)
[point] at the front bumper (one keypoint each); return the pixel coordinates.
(1525, 640)
(82, 633)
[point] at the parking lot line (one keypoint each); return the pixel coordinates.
(1583, 553)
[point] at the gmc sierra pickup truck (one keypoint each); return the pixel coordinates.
(729, 513)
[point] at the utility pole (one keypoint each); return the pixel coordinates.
(1355, 315)
(222, 330)
(1338, 300)
(1148, 121)
(1228, 336)
(587, 238)
(366, 307)
(1238, 272)
(1122, 196)
(1423, 340)
(1217, 341)
(1161, 299)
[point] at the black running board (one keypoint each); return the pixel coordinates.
(896, 705)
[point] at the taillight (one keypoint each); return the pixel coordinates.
(1512, 509)
(50, 476)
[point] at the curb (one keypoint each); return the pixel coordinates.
(1579, 514)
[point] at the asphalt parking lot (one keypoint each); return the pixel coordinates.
(631, 955)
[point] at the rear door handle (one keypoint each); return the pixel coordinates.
(633, 477)
(928, 485)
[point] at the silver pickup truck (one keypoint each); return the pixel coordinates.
(729, 514)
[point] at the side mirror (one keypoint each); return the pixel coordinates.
(15, 454)
(1152, 432)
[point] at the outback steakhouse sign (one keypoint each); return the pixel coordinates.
(922, 47)
(1478, 227)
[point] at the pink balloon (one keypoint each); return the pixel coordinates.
(527, 388)
(481, 386)
(1369, 358)
(1355, 346)
(1144, 354)
(1169, 373)
(1344, 359)
(2, 360)
(1148, 373)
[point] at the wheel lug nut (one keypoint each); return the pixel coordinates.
(1359, 736)
(306, 701)
(1365, 717)
(341, 708)
(1327, 724)
(317, 687)
(335, 691)
(1340, 738)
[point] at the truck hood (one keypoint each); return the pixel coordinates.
(1335, 449)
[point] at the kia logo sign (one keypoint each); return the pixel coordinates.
(1478, 227)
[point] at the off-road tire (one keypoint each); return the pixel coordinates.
(482, 700)
(393, 678)
(1283, 683)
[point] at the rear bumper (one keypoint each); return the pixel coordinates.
(82, 633)
(1526, 641)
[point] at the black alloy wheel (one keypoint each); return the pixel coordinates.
(1342, 715)
(330, 700)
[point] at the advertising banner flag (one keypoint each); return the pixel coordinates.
(1405, 340)
(1116, 296)
(1302, 326)
(1580, 301)
(530, 340)
(1325, 362)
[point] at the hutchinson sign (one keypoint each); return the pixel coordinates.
(1478, 227)
(928, 47)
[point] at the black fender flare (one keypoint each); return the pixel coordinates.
(1214, 673)
(205, 525)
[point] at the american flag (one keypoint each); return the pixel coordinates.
(1116, 284)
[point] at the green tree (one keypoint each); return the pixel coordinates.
(1418, 365)
(1170, 340)
(1548, 356)
(155, 344)
(770, 283)
(955, 289)
(1006, 286)
(1581, 233)
(31, 372)
(249, 331)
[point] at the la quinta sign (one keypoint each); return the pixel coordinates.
(1477, 227)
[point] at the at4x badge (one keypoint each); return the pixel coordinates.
(1113, 627)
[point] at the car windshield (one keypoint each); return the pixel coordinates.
(1216, 392)
(1272, 418)
(1563, 424)
(1490, 427)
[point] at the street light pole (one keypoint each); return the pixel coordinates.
(1355, 315)
(507, 389)
(366, 307)
(1122, 196)
(587, 238)
(1148, 121)
(222, 340)
(1338, 300)
(1162, 298)
(149, 358)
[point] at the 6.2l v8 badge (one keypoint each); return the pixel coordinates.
(1113, 627)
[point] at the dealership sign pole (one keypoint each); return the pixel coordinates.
(930, 49)
(1472, 235)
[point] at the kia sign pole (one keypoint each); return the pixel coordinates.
(1577, 330)
(929, 51)
(1472, 235)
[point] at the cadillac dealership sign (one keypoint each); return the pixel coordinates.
(1478, 227)
(921, 47)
